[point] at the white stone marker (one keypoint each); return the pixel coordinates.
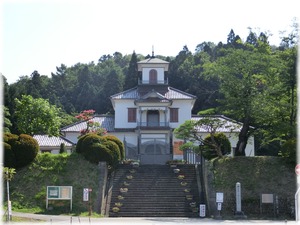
(238, 197)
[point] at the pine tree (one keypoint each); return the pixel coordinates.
(131, 77)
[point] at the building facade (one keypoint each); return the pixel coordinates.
(146, 116)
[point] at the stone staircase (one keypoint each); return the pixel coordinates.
(154, 191)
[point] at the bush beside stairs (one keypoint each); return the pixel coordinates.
(154, 191)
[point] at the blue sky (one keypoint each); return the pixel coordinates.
(42, 34)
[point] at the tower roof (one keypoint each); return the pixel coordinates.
(153, 62)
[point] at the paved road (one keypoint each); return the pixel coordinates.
(49, 219)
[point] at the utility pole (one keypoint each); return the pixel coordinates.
(8, 198)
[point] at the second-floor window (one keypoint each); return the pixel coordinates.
(131, 115)
(153, 76)
(173, 115)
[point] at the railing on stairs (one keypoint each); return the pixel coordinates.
(191, 157)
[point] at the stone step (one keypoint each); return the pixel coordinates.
(154, 191)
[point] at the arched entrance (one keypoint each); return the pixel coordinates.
(154, 150)
(153, 76)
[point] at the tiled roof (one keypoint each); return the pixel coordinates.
(46, 141)
(172, 93)
(106, 122)
(177, 94)
(153, 60)
(129, 94)
(228, 126)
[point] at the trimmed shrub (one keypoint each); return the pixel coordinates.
(79, 148)
(97, 152)
(209, 152)
(19, 150)
(26, 149)
(119, 143)
(9, 156)
(97, 148)
(114, 148)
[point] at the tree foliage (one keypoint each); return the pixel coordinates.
(215, 144)
(37, 116)
(208, 148)
(91, 125)
(247, 80)
(263, 74)
(6, 120)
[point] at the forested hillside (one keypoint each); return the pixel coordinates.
(249, 81)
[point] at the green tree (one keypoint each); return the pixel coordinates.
(37, 116)
(234, 41)
(189, 131)
(91, 126)
(8, 173)
(112, 84)
(131, 77)
(7, 123)
(247, 81)
(62, 148)
(222, 141)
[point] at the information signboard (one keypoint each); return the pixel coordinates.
(219, 197)
(267, 198)
(85, 194)
(59, 193)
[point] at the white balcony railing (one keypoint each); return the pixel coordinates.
(153, 124)
(153, 83)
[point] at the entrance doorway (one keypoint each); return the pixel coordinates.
(153, 118)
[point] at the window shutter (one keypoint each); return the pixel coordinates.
(174, 115)
(131, 115)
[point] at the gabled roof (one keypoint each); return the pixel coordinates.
(171, 94)
(153, 94)
(106, 122)
(46, 141)
(229, 126)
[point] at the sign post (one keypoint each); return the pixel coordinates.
(219, 201)
(86, 198)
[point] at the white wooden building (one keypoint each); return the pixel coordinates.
(146, 116)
